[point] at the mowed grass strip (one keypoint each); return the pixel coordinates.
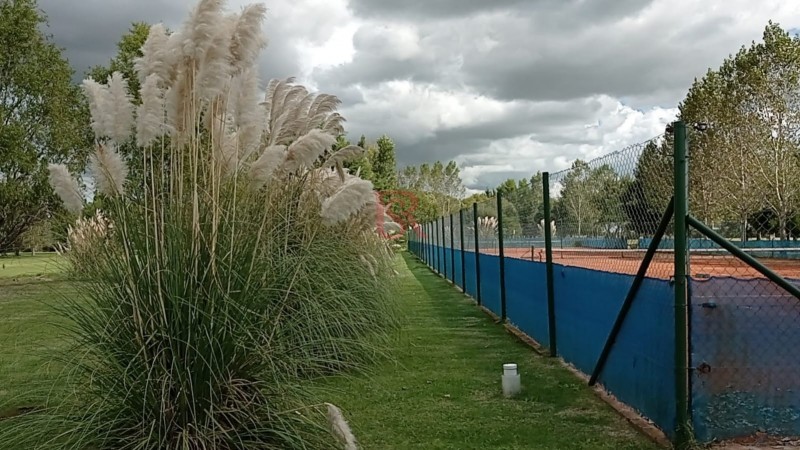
(30, 332)
(442, 389)
(27, 265)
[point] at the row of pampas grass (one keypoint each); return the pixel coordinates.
(244, 265)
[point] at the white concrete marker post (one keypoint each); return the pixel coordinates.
(511, 381)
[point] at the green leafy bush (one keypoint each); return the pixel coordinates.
(244, 264)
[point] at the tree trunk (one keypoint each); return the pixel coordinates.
(744, 230)
(782, 222)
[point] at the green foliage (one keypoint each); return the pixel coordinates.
(748, 160)
(525, 196)
(439, 184)
(362, 165)
(383, 164)
(224, 282)
(42, 118)
(128, 49)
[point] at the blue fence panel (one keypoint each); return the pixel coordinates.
(490, 282)
(447, 264)
(745, 334)
(640, 367)
(526, 298)
(458, 278)
(472, 280)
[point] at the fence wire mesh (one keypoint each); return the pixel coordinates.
(745, 328)
(605, 212)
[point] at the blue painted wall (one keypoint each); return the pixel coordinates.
(747, 332)
(472, 279)
(526, 298)
(490, 282)
(459, 280)
(640, 369)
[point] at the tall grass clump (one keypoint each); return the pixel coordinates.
(244, 265)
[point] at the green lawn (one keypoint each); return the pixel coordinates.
(27, 265)
(441, 390)
(28, 334)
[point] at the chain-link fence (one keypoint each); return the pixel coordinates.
(589, 262)
(605, 212)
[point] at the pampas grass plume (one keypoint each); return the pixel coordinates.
(247, 39)
(305, 152)
(99, 104)
(150, 114)
(109, 170)
(154, 60)
(66, 187)
(120, 109)
(201, 28)
(262, 170)
(348, 200)
(346, 154)
(340, 427)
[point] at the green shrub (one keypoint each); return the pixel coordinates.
(243, 266)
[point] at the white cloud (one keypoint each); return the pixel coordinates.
(506, 88)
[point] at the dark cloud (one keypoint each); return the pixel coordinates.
(566, 10)
(89, 30)
(643, 52)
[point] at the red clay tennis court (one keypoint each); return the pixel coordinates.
(703, 262)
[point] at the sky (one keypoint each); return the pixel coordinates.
(505, 88)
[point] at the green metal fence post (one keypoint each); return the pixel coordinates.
(437, 263)
(548, 250)
(682, 415)
(501, 253)
(427, 232)
(452, 252)
(463, 256)
(477, 253)
(444, 251)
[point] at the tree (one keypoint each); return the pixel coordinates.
(128, 49)
(384, 164)
(748, 160)
(42, 119)
(362, 165)
(577, 198)
(439, 182)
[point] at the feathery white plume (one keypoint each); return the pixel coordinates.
(214, 67)
(347, 154)
(109, 170)
(154, 59)
(248, 40)
(245, 111)
(304, 152)
(66, 187)
(150, 114)
(176, 98)
(348, 200)
(201, 28)
(99, 105)
(340, 427)
(227, 153)
(120, 109)
(262, 170)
